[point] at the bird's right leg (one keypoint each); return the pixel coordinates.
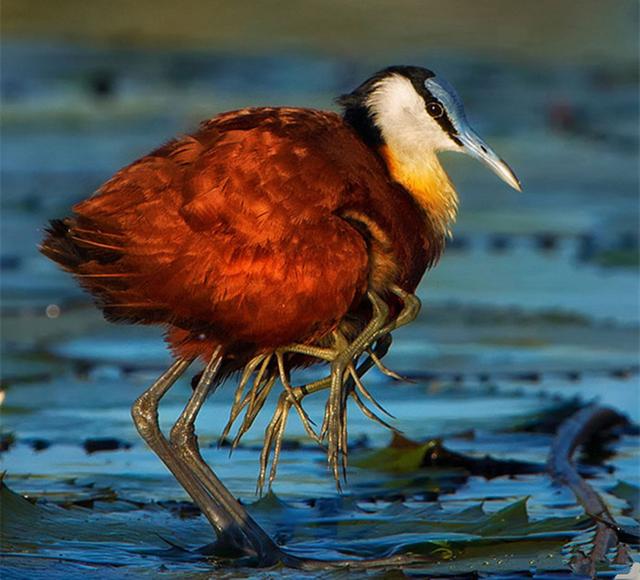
(145, 418)
(234, 521)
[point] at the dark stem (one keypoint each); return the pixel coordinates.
(573, 432)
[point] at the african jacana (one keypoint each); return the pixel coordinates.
(272, 238)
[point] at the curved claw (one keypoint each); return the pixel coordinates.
(252, 412)
(370, 414)
(284, 379)
(365, 393)
(336, 420)
(276, 427)
(385, 370)
(273, 436)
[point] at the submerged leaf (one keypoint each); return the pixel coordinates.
(41, 527)
(492, 557)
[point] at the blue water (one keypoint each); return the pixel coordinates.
(510, 330)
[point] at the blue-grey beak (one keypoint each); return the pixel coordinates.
(477, 148)
(471, 142)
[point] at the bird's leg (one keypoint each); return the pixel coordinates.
(360, 388)
(382, 367)
(409, 312)
(255, 399)
(326, 354)
(255, 408)
(334, 425)
(145, 418)
(284, 379)
(234, 526)
(275, 430)
(259, 383)
(410, 309)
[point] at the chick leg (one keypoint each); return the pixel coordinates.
(344, 382)
(275, 430)
(335, 423)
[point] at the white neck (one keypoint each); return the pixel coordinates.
(411, 139)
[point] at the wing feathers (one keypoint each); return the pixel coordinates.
(232, 229)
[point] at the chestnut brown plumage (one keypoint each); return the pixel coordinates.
(263, 228)
(267, 239)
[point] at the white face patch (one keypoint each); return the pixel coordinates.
(399, 112)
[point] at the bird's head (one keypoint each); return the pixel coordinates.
(413, 113)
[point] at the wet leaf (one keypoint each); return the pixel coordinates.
(41, 527)
(490, 556)
(630, 493)
(498, 523)
(395, 459)
(404, 455)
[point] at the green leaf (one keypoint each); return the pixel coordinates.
(504, 520)
(487, 556)
(394, 459)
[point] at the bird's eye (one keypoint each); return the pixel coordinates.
(435, 110)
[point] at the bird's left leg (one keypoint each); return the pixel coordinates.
(145, 416)
(184, 440)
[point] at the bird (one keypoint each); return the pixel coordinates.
(269, 239)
